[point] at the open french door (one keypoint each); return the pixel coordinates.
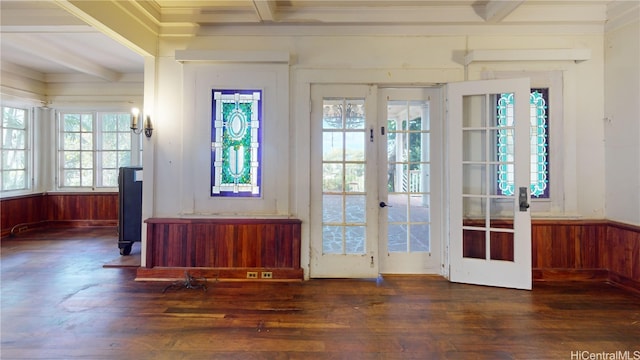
(489, 157)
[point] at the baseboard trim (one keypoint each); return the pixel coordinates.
(598, 275)
(218, 274)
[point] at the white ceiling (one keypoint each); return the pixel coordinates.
(44, 38)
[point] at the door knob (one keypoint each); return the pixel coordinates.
(384, 204)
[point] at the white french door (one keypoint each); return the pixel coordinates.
(373, 206)
(410, 164)
(344, 232)
(489, 157)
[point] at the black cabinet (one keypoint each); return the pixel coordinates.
(129, 208)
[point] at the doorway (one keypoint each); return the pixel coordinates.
(376, 188)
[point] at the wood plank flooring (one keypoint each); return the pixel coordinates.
(59, 302)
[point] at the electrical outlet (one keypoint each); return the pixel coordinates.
(252, 274)
(267, 275)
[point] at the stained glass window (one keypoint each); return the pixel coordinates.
(539, 141)
(236, 143)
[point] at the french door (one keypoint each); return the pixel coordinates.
(489, 157)
(409, 181)
(372, 203)
(344, 232)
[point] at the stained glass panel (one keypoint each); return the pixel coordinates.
(538, 139)
(236, 143)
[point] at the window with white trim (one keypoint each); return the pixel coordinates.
(92, 147)
(15, 162)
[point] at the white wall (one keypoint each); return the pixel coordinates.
(401, 60)
(622, 124)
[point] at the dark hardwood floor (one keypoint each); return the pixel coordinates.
(59, 302)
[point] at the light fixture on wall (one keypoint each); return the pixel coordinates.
(147, 126)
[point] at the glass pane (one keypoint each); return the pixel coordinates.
(13, 118)
(474, 181)
(71, 141)
(419, 239)
(332, 146)
(355, 237)
(332, 177)
(71, 159)
(332, 209)
(355, 208)
(397, 209)
(474, 110)
(124, 122)
(110, 178)
(109, 141)
(87, 123)
(474, 244)
(332, 114)
(124, 158)
(71, 122)
(14, 180)
(354, 177)
(419, 113)
(86, 142)
(419, 209)
(502, 246)
(417, 150)
(71, 178)
(474, 145)
(354, 146)
(13, 160)
(397, 238)
(86, 160)
(474, 208)
(502, 213)
(332, 239)
(13, 139)
(419, 178)
(87, 177)
(354, 115)
(109, 123)
(124, 141)
(109, 159)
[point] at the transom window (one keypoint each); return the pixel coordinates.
(236, 143)
(539, 141)
(92, 148)
(15, 149)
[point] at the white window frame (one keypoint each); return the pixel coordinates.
(29, 161)
(553, 81)
(136, 150)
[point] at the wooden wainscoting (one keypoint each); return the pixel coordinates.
(58, 210)
(222, 249)
(570, 250)
(586, 250)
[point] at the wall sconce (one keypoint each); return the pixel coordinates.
(148, 127)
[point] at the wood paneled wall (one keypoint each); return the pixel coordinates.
(222, 248)
(58, 209)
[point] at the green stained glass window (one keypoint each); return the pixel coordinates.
(236, 143)
(539, 142)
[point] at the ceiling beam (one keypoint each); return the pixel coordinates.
(266, 9)
(123, 21)
(496, 10)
